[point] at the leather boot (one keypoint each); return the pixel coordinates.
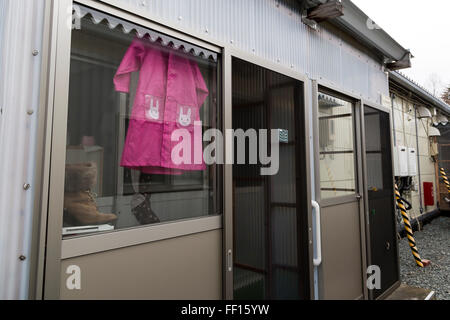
(79, 201)
(142, 209)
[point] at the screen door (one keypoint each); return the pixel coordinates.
(270, 244)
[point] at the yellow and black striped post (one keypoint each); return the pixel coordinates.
(444, 177)
(409, 231)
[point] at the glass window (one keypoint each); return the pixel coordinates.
(337, 143)
(378, 151)
(130, 93)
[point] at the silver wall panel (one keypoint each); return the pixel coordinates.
(272, 29)
(21, 28)
(188, 268)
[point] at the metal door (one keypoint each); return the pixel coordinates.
(383, 249)
(268, 256)
(338, 166)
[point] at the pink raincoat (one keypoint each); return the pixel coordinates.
(170, 93)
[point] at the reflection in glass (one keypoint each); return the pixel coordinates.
(336, 142)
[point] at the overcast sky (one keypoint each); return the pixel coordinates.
(421, 26)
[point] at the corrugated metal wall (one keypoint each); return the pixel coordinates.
(272, 29)
(21, 27)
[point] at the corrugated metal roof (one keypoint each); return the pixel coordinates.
(21, 33)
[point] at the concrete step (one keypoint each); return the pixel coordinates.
(405, 292)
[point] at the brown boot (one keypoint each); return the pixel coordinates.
(79, 202)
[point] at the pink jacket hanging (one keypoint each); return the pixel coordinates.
(170, 93)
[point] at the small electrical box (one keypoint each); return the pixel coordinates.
(283, 135)
(401, 161)
(412, 162)
(428, 194)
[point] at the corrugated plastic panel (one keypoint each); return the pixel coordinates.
(98, 17)
(272, 29)
(20, 33)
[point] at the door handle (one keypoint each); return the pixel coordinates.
(358, 196)
(317, 260)
(230, 260)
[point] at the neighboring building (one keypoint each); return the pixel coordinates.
(144, 227)
(417, 117)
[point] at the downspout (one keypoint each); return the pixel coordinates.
(393, 119)
(418, 160)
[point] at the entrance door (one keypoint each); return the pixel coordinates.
(338, 193)
(379, 181)
(270, 212)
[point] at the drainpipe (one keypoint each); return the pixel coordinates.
(418, 160)
(393, 119)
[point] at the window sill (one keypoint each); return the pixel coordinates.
(84, 245)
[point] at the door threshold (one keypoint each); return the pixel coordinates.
(405, 292)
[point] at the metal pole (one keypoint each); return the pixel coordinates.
(393, 119)
(418, 160)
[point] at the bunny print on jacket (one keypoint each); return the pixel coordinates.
(185, 119)
(151, 108)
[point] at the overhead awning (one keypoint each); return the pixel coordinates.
(433, 132)
(356, 23)
(442, 119)
(327, 101)
(97, 17)
(423, 112)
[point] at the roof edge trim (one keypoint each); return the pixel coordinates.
(408, 84)
(358, 24)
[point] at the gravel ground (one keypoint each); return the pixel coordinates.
(433, 243)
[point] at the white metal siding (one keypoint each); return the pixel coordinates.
(20, 33)
(273, 30)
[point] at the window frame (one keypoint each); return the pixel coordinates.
(354, 115)
(59, 72)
